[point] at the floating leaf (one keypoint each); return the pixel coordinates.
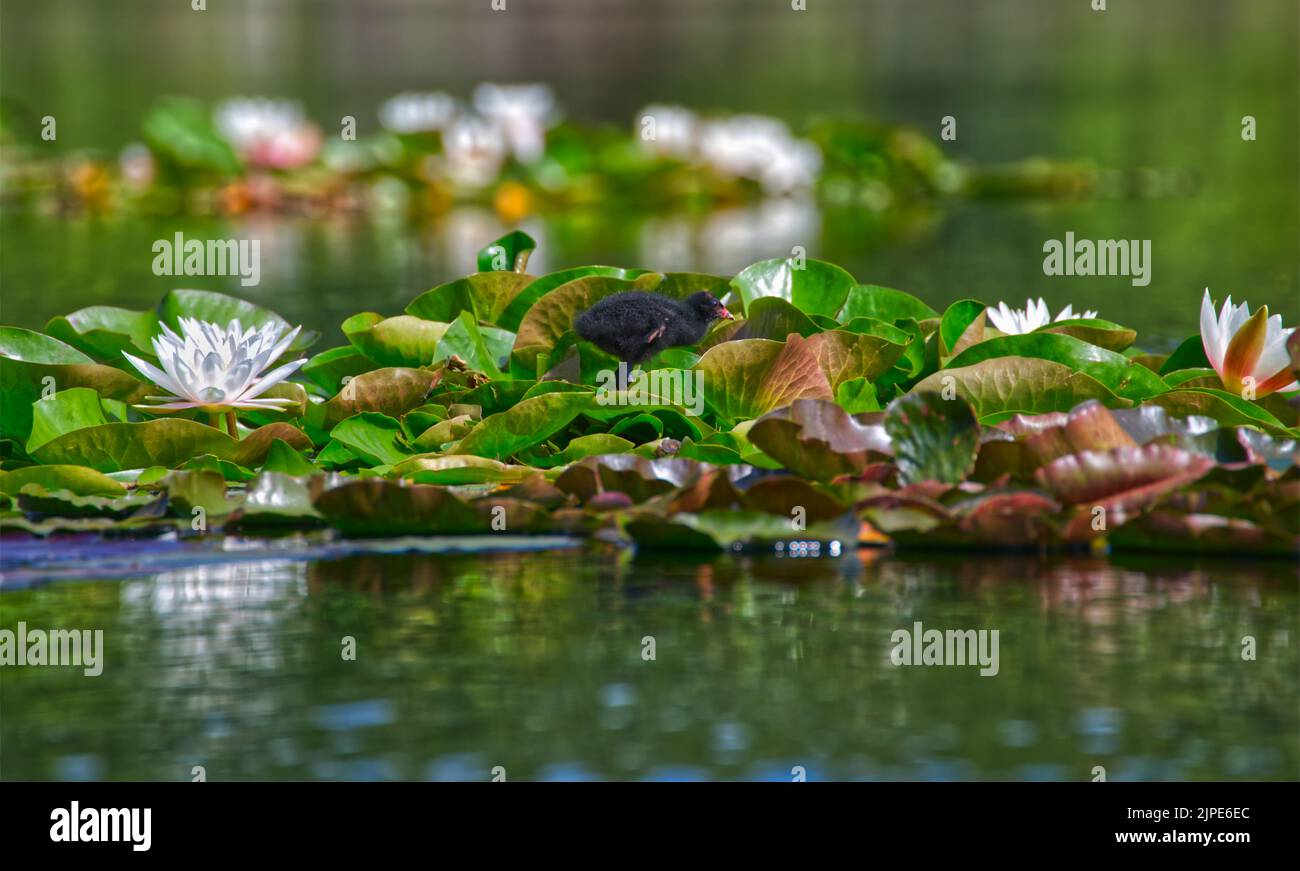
(813, 286)
(105, 331)
(819, 440)
(113, 447)
(281, 457)
(1003, 386)
(331, 368)
(749, 377)
(1094, 331)
(884, 304)
(845, 356)
(530, 422)
(487, 295)
(75, 479)
(391, 391)
(509, 253)
(399, 341)
(1122, 377)
(64, 412)
(771, 317)
(375, 438)
(934, 439)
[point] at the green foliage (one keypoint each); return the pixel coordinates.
(876, 416)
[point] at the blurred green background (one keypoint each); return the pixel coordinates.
(1162, 83)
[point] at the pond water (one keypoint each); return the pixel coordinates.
(537, 662)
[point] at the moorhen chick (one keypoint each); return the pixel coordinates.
(635, 325)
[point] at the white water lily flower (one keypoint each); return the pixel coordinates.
(673, 130)
(418, 112)
(268, 133)
(522, 114)
(474, 151)
(1035, 314)
(216, 369)
(1243, 346)
(762, 149)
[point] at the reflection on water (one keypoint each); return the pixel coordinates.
(535, 663)
(320, 271)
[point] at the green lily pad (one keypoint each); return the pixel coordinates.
(1227, 408)
(64, 412)
(398, 341)
(961, 327)
(1003, 386)
(771, 317)
(281, 457)
(509, 253)
(1189, 355)
(180, 132)
(749, 377)
(884, 304)
(934, 439)
(1094, 331)
(845, 356)
(1117, 373)
(375, 438)
(531, 422)
(113, 447)
(816, 287)
(105, 331)
(33, 365)
(487, 295)
(464, 339)
(75, 479)
(330, 368)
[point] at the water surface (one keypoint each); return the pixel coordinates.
(536, 662)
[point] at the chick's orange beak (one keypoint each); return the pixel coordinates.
(728, 315)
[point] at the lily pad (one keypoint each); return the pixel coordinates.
(749, 377)
(105, 331)
(819, 440)
(934, 439)
(113, 447)
(398, 341)
(812, 286)
(487, 295)
(1003, 386)
(884, 304)
(1119, 375)
(530, 422)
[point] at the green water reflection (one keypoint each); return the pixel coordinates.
(535, 663)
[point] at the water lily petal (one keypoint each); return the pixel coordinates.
(1244, 350)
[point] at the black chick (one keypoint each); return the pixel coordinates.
(634, 325)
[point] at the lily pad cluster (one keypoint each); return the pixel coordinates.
(831, 413)
(511, 148)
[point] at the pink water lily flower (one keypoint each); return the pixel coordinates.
(1248, 351)
(218, 369)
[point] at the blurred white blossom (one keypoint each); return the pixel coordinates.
(521, 113)
(273, 134)
(413, 112)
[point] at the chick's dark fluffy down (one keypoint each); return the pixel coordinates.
(634, 325)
